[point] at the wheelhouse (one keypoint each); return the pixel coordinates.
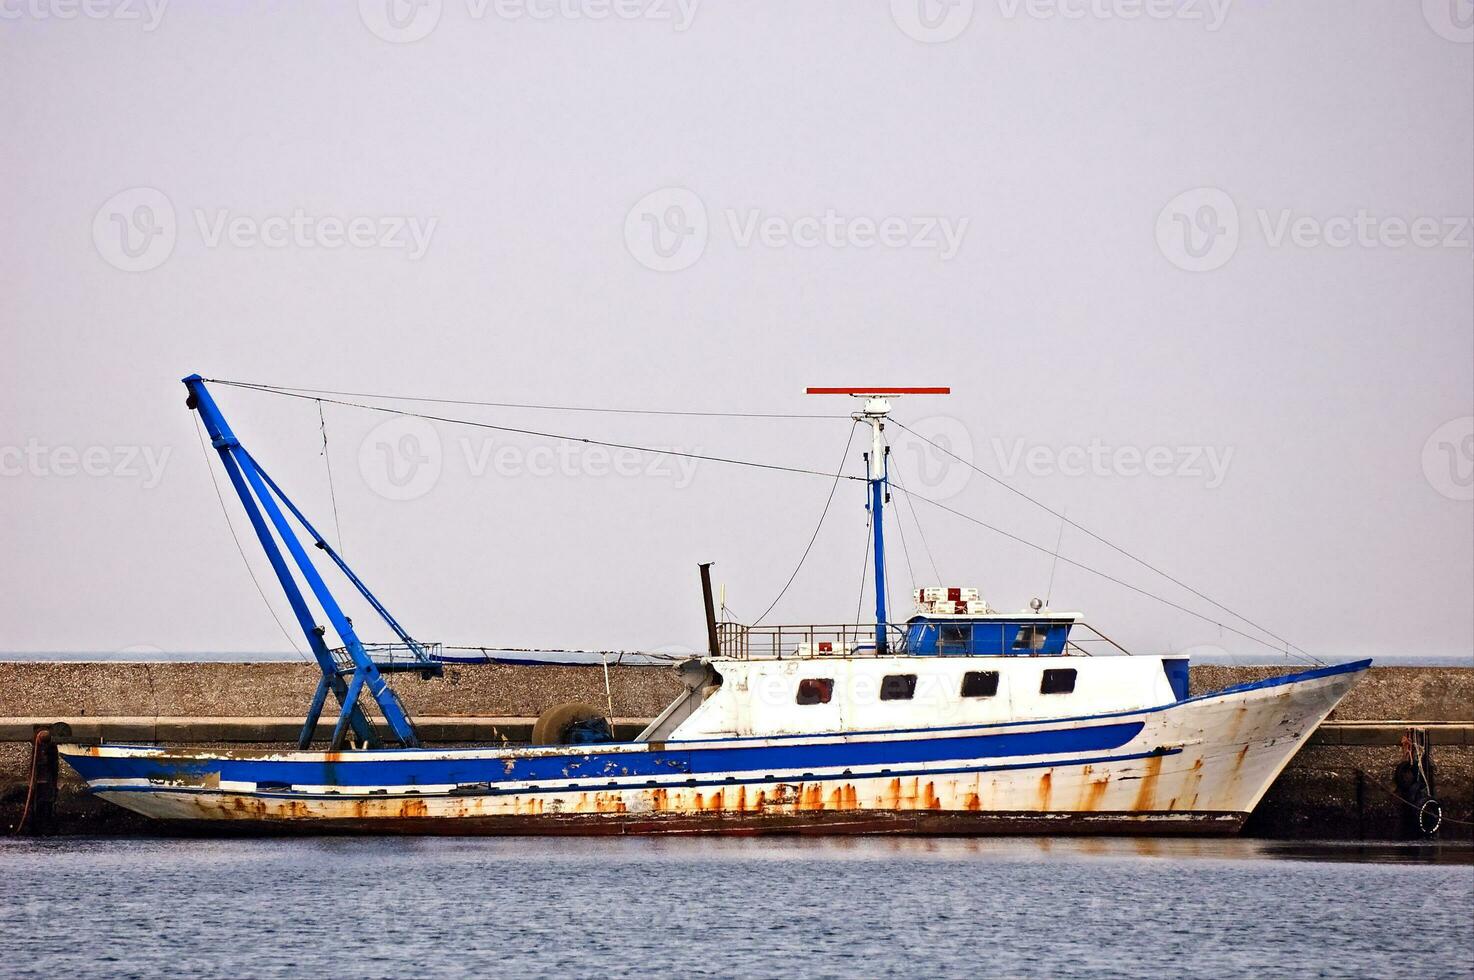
(989, 635)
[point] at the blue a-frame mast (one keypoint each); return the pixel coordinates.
(352, 671)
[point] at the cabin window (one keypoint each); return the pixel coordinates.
(1058, 681)
(898, 687)
(1030, 637)
(815, 690)
(956, 637)
(980, 683)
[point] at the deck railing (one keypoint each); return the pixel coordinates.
(804, 641)
(784, 642)
(393, 656)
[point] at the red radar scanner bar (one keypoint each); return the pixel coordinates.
(880, 392)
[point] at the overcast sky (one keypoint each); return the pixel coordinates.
(1199, 275)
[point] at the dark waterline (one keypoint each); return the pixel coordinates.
(719, 907)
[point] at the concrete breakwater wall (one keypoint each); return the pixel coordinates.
(1337, 787)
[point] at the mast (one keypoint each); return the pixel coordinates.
(877, 408)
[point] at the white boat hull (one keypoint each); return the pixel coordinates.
(1199, 765)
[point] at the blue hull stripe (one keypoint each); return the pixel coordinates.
(412, 769)
(717, 783)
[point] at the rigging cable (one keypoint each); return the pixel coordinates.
(1108, 578)
(555, 435)
(864, 570)
(815, 536)
(917, 521)
(1054, 565)
(901, 530)
(280, 389)
(808, 472)
(199, 431)
(327, 463)
(1141, 561)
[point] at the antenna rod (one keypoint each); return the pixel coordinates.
(877, 407)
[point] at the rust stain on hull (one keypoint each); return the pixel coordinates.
(1095, 792)
(1146, 794)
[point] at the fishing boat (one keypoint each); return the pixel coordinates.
(963, 719)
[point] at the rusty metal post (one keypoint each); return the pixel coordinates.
(39, 812)
(713, 645)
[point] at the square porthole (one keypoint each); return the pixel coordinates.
(1060, 681)
(980, 683)
(815, 690)
(898, 687)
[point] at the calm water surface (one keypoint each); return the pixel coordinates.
(677, 907)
